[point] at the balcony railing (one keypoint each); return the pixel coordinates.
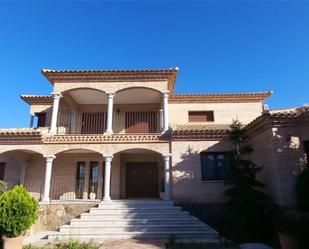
(95, 123)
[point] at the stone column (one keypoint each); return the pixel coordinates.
(107, 178)
(53, 125)
(161, 123)
(167, 193)
(165, 111)
(110, 103)
(48, 172)
(22, 172)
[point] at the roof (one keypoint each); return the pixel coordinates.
(280, 117)
(37, 99)
(220, 97)
(199, 131)
(15, 136)
(112, 75)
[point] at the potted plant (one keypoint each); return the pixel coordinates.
(18, 211)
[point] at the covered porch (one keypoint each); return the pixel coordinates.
(84, 175)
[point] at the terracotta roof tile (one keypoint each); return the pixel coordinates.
(220, 97)
(198, 131)
(37, 99)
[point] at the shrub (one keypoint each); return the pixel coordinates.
(302, 190)
(72, 244)
(18, 211)
(3, 187)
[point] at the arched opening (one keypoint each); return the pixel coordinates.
(82, 111)
(77, 175)
(25, 167)
(137, 110)
(140, 174)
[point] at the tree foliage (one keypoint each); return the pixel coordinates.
(246, 201)
(18, 211)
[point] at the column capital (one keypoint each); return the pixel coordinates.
(49, 158)
(56, 95)
(165, 94)
(110, 95)
(167, 157)
(108, 158)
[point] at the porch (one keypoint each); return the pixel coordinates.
(86, 176)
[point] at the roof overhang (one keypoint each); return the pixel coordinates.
(37, 99)
(68, 76)
(220, 98)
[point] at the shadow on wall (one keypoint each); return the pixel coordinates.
(188, 185)
(290, 160)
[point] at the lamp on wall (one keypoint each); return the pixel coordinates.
(118, 111)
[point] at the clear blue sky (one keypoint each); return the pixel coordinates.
(218, 46)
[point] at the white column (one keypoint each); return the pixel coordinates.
(107, 178)
(165, 111)
(22, 172)
(110, 103)
(48, 172)
(53, 125)
(167, 193)
(161, 119)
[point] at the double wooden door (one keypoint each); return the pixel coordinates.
(142, 180)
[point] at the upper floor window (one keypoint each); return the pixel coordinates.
(41, 119)
(215, 165)
(201, 116)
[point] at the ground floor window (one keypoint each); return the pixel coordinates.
(94, 179)
(215, 165)
(80, 179)
(2, 169)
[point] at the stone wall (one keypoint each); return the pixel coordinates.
(52, 216)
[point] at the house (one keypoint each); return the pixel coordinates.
(123, 134)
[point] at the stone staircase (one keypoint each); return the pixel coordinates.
(136, 220)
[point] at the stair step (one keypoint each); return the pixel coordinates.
(134, 211)
(123, 222)
(141, 235)
(132, 216)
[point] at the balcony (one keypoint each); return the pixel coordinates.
(96, 122)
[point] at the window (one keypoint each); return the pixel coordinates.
(2, 168)
(306, 145)
(41, 116)
(94, 177)
(201, 116)
(80, 179)
(215, 165)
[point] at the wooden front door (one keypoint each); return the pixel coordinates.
(142, 180)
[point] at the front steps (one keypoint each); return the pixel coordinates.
(136, 220)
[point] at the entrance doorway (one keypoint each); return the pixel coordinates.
(142, 180)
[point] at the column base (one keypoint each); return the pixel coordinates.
(45, 200)
(108, 133)
(107, 198)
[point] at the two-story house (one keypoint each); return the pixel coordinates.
(118, 134)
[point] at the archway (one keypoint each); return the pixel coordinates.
(25, 167)
(77, 174)
(141, 173)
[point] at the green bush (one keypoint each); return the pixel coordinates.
(18, 211)
(302, 190)
(3, 187)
